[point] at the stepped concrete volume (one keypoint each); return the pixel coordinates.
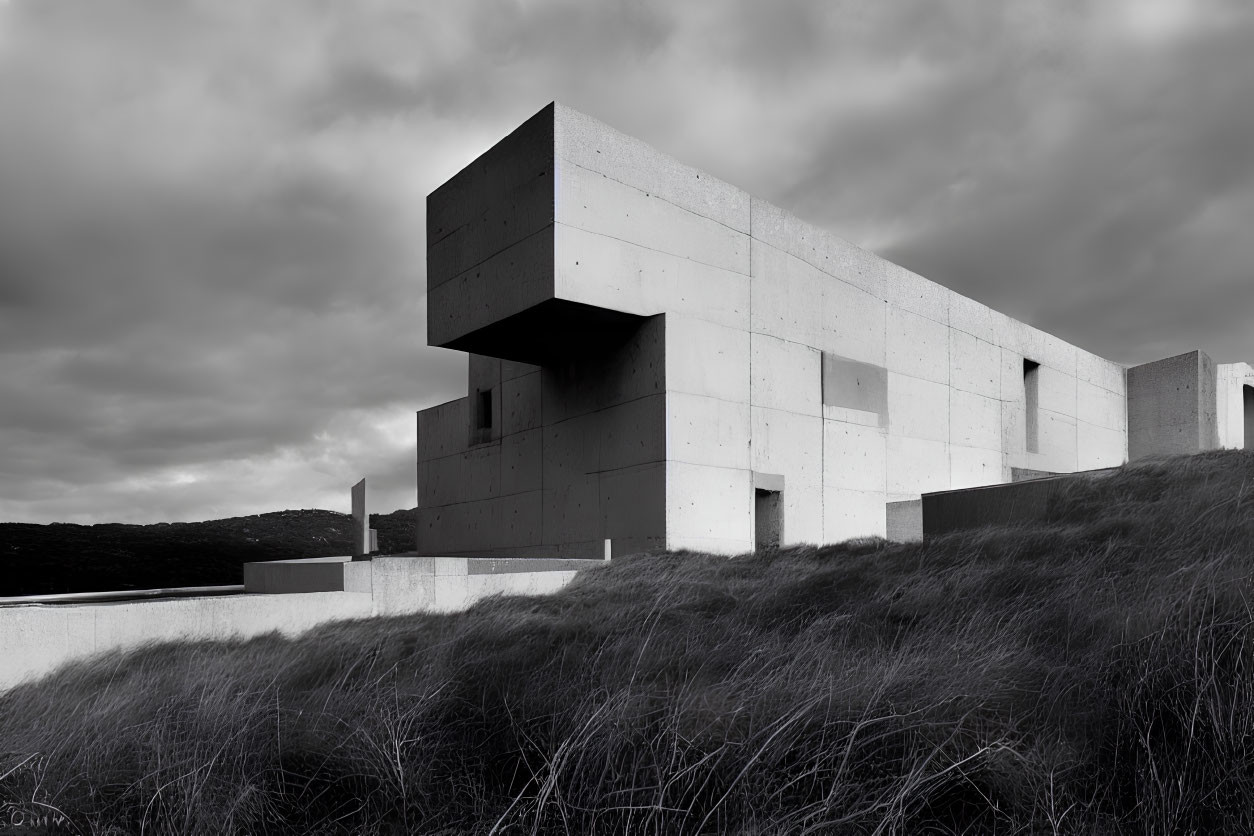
(658, 358)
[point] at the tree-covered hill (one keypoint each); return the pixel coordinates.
(61, 557)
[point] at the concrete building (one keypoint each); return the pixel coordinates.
(660, 359)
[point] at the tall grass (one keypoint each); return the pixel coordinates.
(1089, 673)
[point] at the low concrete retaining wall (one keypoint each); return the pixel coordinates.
(1007, 504)
(904, 520)
(288, 597)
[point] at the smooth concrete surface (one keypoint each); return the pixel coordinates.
(905, 521)
(416, 584)
(577, 456)
(38, 639)
(748, 342)
(1235, 405)
(288, 597)
(1008, 504)
(1021, 474)
(489, 235)
(122, 595)
(312, 574)
(1173, 406)
(361, 531)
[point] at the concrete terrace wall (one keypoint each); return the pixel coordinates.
(925, 388)
(38, 639)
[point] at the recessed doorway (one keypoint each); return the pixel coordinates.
(768, 518)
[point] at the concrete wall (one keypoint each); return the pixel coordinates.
(38, 639)
(794, 355)
(955, 411)
(1008, 504)
(792, 352)
(905, 521)
(490, 235)
(575, 455)
(1235, 405)
(1172, 406)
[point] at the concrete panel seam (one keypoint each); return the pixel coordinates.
(653, 196)
(827, 273)
(548, 228)
(655, 250)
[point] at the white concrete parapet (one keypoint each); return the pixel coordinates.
(288, 597)
(415, 584)
(39, 638)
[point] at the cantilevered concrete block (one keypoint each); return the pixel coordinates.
(632, 227)
(649, 343)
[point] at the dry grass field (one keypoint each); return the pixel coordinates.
(1088, 674)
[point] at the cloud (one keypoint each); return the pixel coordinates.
(212, 213)
(1113, 224)
(193, 279)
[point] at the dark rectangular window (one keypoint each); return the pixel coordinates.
(483, 410)
(1032, 411)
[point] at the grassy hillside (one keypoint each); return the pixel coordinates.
(42, 559)
(1091, 674)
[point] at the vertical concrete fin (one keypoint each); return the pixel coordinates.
(1207, 403)
(361, 522)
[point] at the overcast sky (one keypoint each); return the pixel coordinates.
(212, 213)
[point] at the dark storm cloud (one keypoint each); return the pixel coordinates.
(1067, 173)
(191, 279)
(211, 213)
